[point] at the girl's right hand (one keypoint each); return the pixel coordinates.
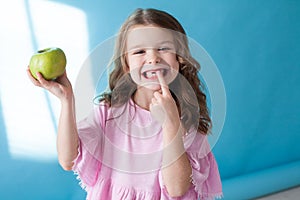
(60, 87)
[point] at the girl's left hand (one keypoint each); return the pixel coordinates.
(163, 107)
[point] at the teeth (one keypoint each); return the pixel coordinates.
(151, 74)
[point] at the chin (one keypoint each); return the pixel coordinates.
(151, 86)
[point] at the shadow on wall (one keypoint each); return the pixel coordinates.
(28, 115)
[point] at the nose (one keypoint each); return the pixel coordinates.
(153, 57)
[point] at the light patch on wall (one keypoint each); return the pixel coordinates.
(30, 113)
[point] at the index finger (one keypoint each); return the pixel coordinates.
(162, 82)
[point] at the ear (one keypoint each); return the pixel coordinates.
(125, 68)
(181, 62)
(179, 59)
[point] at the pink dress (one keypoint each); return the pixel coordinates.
(120, 155)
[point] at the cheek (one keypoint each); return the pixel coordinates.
(133, 63)
(176, 65)
(135, 76)
(133, 69)
(173, 62)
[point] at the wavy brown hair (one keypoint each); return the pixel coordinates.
(191, 101)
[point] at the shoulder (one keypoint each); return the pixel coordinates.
(101, 108)
(97, 116)
(105, 111)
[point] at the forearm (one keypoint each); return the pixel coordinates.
(67, 137)
(176, 170)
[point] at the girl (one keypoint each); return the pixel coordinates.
(147, 137)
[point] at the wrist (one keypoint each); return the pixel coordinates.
(171, 125)
(67, 97)
(67, 101)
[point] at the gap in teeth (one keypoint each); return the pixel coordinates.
(151, 74)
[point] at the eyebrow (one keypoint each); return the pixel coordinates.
(167, 42)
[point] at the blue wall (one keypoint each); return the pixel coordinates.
(255, 45)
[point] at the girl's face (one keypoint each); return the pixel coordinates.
(150, 49)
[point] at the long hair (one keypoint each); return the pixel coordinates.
(193, 111)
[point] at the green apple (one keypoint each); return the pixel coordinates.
(50, 62)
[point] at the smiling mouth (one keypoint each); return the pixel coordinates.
(151, 74)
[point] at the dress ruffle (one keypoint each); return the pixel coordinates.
(106, 189)
(87, 174)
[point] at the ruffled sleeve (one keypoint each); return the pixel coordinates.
(88, 161)
(205, 173)
(205, 178)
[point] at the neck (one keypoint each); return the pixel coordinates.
(143, 97)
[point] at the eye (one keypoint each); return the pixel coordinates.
(139, 51)
(164, 49)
